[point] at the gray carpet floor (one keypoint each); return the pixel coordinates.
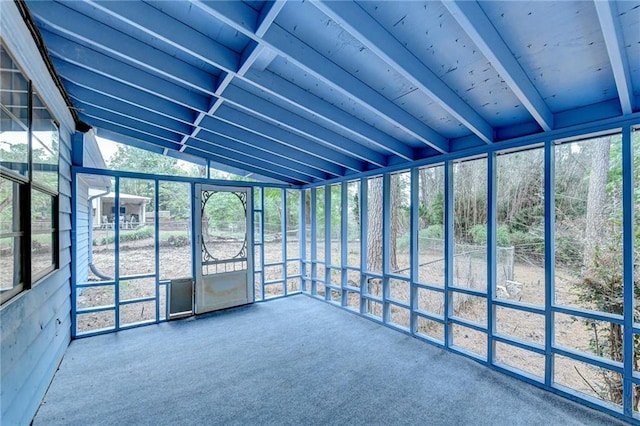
(289, 361)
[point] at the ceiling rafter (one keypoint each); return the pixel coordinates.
(87, 59)
(614, 41)
(240, 165)
(206, 140)
(237, 160)
(131, 123)
(300, 125)
(153, 22)
(234, 144)
(245, 121)
(221, 126)
(475, 23)
(133, 132)
(250, 54)
(308, 102)
(252, 141)
(374, 37)
(85, 31)
(238, 15)
(75, 78)
(83, 97)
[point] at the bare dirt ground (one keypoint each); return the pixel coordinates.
(175, 262)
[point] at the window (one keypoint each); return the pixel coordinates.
(29, 155)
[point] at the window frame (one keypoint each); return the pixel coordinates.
(26, 188)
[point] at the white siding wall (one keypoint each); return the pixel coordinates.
(35, 326)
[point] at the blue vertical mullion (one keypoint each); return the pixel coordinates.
(262, 262)
(364, 227)
(414, 252)
(327, 241)
(492, 230)
(628, 236)
(156, 223)
(302, 239)
(194, 232)
(344, 238)
(251, 236)
(549, 256)
(386, 241)
(448, 251)
(314, 248)
(284, 240)
(116, 221)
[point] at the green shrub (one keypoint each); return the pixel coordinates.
(435, 232)
(140, 233)
(479, 235)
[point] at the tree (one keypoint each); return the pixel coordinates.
(602, 284)
(374, 222)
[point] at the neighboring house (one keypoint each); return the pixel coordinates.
(133, 209)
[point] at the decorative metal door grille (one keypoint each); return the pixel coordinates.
(224, 241)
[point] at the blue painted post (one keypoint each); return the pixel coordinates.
(252, 237)
(364, 194)
(386, 240)
(549, 256)
(448, 251)
(628, 236)
(283, 230)
(492, 230)
(74, 257)
(116, 221)
(327, 242)
(414, 248)
(194, 230)
(314, 251)
(156, 221)
(262, 285)
(344, 239)
(303, 239)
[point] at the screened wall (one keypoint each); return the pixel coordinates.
(524, 259)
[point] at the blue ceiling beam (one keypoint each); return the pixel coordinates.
(240, 16)
(242, 158)
(610, 25)
(241, 166)
(127, 140)
(251, 53)
(104, 65)
(306, 101)
(374, 37)
(280, 135)
(159, 25)
(131, 123)
(220, 142)
(268, 14)
(258, 142)
(89, 32)
(300, 125)
(477, 25)
(74, 76)
(84, 96)
(127, 131)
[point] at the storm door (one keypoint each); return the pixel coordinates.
(224, 264)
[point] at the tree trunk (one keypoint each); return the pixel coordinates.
(596, 200)
(374, 227)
